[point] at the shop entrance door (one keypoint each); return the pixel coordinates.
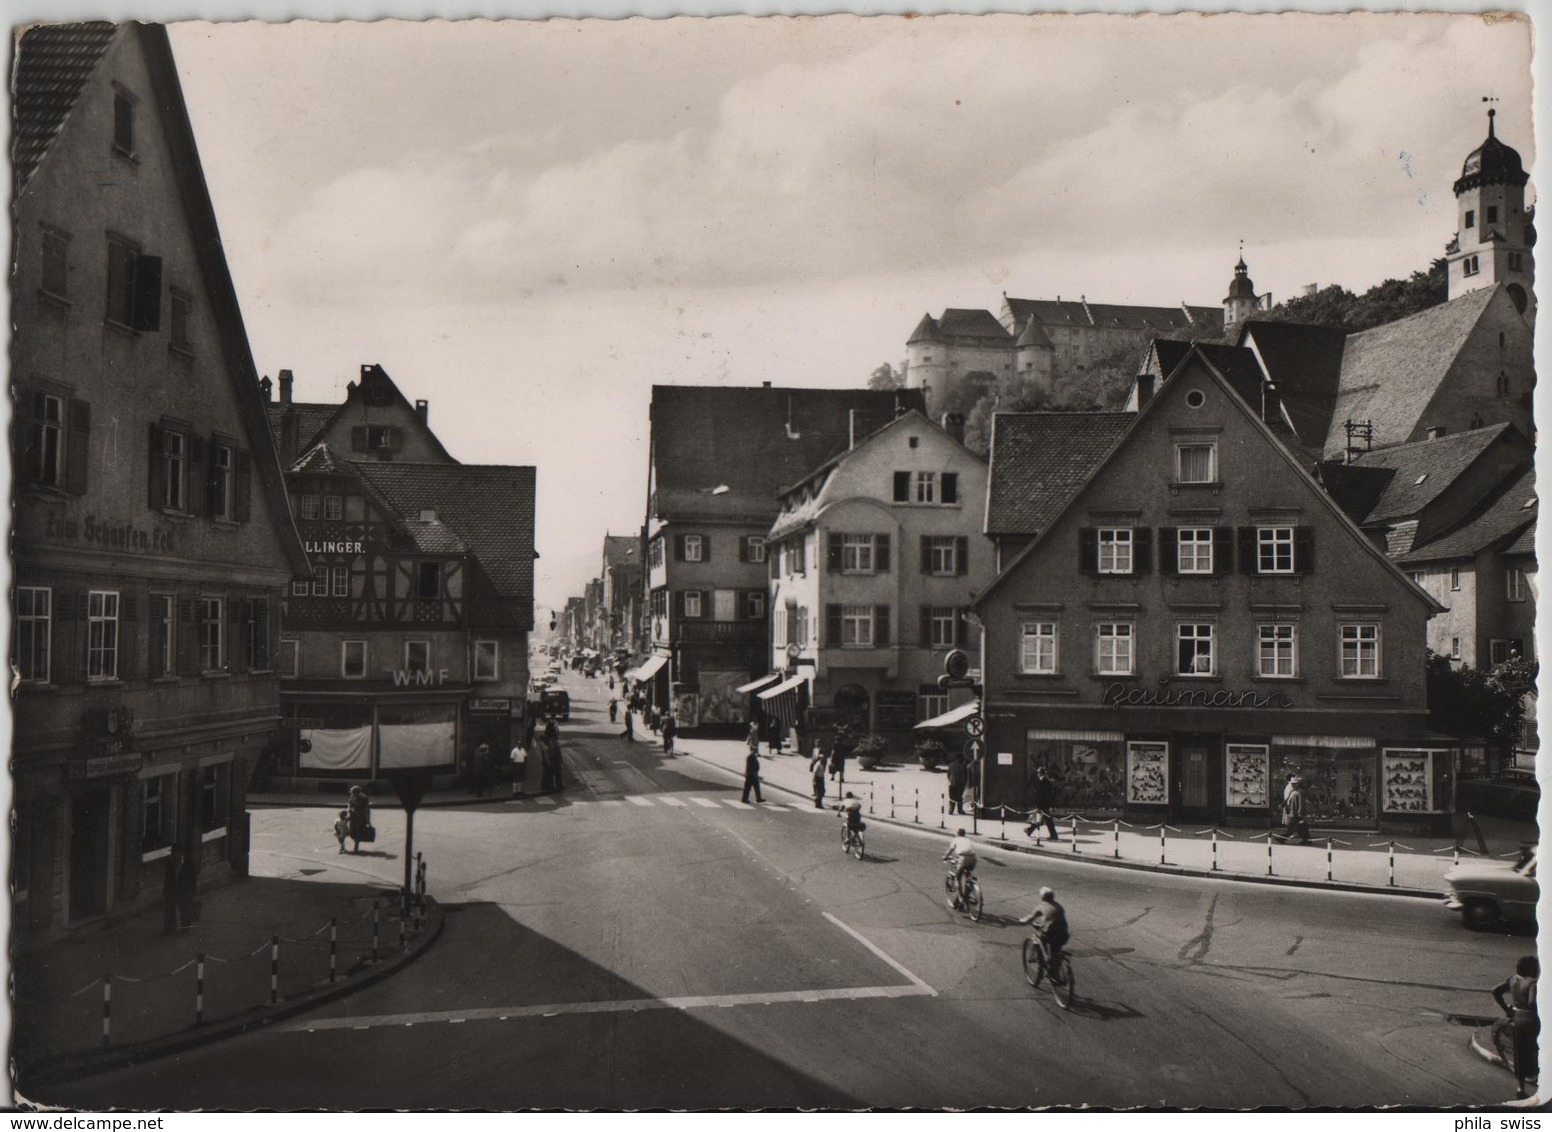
(1196, 771)
(89, 853)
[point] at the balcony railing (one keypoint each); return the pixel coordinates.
(719, 632)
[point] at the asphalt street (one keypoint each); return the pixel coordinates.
(643, 941)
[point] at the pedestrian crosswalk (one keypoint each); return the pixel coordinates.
(677, 801)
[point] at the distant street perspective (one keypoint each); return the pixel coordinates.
(488, 631)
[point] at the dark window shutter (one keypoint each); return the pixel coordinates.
(743, 548)
(902, 487)
(188, 639)
(1303, 550)
(1169, 550)
(833, 551)
(950, 487)
(1088, 550)
(678, 548)
(881, 554)
(78, 450)
(147, 314)
(962, 555)
(1223, 550)
(197, 450)
(1142, 550)
(212, 495)
(261, 630)
(395, 438)
(832, 627)
(358, 438)
(242, 488)
(129, 642)
(926, 626)
(23, 455)
(1247, 549)
(881, 624)
(157, 473)
(926, 554)
(705, 548)
(678, 603)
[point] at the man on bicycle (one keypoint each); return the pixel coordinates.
(1050, 923)
(961, 851)
(851, 809)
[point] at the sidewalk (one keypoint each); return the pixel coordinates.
(59, 1001)
(906, 794)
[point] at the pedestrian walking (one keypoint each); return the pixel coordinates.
(1042, 795)
(342, 829)
(752, 740)
(552, 752)
(519, 761)
(1516, 997)
(630, 724)
(670, 730)
(816, 768)
(614, 710)
(359, 811)
(173, 901)
(958, 775)
(1288, 787)
(841, 746)
(752, 772)
(1294, 824)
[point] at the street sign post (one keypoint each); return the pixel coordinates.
(975, 726)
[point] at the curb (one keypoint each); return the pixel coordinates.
(271, 802)
(1136, 866)
(73, 1067)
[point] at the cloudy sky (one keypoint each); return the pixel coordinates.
(530, 224)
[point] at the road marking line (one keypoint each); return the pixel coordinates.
(737, 805)
(671, 801)
(778, 809)
(616, 1006)
(707, 802)
(635, 801)
(881, 953)
(547, 801)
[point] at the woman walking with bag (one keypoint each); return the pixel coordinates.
(360, 811)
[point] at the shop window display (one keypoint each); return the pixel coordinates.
(1146, 774)
(1410, 782)
(1089, 773)
(1339, 783)
(1247, 770)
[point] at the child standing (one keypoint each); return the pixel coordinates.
(342, 829)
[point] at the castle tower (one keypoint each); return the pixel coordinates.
(1495, 232)
(926, 361)
(1241, 300)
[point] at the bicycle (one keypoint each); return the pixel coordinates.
(973, 901)
(1037, 965)
(851, 840)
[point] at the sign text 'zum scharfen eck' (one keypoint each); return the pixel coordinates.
(1119, 695)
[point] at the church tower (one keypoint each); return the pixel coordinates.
(1241, 300)
(1495, 232)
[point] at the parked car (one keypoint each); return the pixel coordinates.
(556, 702)
(1485, 893)
(1508, 794)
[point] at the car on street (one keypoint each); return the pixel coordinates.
(1511, 793)
(556, 702)
(1485, 893)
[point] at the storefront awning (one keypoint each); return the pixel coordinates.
(781, 689)
(647, 668)
(950, 718)
(756, 685)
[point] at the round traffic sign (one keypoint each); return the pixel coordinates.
(975, 726)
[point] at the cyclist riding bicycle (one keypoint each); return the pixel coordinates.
(851, 809)
(1050, 923)
(961, 850)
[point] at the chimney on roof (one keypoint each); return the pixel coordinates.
(765, 385)
(1435, 431)
(1144, 389)
(423, 411)
(266, 387)
(954, 425)
(289, 440)
(285, 387)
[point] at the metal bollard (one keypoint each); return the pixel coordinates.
(107, 1009)
(943, 815)
(274, 969)
(1215, 850)
(891, 801)
(1328, 858)
(199, 988)
(333, 948)
(870, 801)
(1074, 834)
(916, 805)
(1161, 842)
(376, 916)
(1268, 856)
(1392, 864)
(419, 866)
(1003, 813)
(1116, 833)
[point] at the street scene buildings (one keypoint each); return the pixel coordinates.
(1205, 628)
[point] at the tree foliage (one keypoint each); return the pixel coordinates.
(1384, 302)
(1104, 385)
(1470, 703)
(887, 377)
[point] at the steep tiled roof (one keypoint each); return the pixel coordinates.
(53, 64)
(1237, 364)
(620, 550)
(1206, 322)
(1504, 518)
(1422, 471)
(726, 452)
(1392, 372)
(1032, 334)
(960, 323)
(1355, 488)
(319, 460)
(311, 416)
(489, 507)
(926, 331)
(1039, 459)
(1304, 362)
(432, 536)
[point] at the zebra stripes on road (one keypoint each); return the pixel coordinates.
(650, 801)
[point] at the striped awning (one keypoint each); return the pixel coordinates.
(782, 689)
(950, 718)
(756, 685)
(646, 668)
(780, 702)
